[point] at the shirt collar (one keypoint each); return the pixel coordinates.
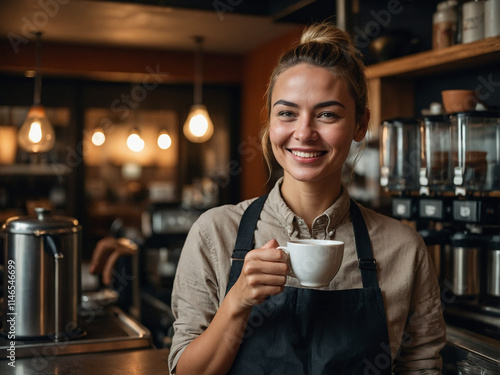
(334, 215)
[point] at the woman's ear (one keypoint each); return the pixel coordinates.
(362, 126)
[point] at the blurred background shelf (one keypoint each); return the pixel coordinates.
(52, 169)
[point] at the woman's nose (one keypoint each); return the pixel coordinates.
(305, 130)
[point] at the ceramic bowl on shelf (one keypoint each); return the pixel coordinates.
(459, 100)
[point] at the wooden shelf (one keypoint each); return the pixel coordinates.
(431, 62)
(392, 82)
(53, 169)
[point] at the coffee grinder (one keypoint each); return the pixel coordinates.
(476, 207)
(472, 259)
(399, 164)
(444, 178)
(412, 152)
(436, 186)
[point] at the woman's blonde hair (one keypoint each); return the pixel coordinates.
(326, 46)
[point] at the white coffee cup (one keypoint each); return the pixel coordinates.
(314, 262)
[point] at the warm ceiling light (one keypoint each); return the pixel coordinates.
(37, 134)
(198, 127)
(98, 137)
(164, 140)
(134, 141)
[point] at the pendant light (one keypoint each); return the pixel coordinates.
(134, 141)
(98, 137)
(198, 127)
(164, 141)
(37, 135)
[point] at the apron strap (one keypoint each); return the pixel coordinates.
(245, 238)
(366, 261)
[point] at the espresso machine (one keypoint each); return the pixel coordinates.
(443, 175)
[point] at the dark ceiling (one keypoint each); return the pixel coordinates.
(293, 11)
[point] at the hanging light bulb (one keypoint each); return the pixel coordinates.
(134, 141)
(98, 137)
(164, 140)
(198, 127)
(37, 134)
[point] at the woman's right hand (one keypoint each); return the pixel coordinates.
(263, 275)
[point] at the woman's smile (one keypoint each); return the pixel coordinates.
(308, 156)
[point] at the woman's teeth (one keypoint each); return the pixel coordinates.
(307, 154)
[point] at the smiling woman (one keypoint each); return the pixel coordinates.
(248, 313)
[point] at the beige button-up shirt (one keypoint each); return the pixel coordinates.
(410, 290)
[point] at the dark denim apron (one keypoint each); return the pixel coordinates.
(308, 331)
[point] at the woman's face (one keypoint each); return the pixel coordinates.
(312, 124)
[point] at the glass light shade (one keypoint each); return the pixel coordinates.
(98, 138)
(164, 140)
(36, 134)
(135, 142)
(198, 127)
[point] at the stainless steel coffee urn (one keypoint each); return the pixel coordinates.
(42, 275)
(464, 262)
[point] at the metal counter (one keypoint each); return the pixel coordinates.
(109, 330)
(136, 362)
(464, 344)
(482, 346)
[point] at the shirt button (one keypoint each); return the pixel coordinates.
(331, 233)
(320, 221)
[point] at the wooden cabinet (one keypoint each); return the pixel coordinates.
(392, 83)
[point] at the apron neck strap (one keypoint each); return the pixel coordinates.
(245, 239)
(366, 261)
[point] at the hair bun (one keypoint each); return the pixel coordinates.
(325, 33)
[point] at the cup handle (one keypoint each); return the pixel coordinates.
(284, 249)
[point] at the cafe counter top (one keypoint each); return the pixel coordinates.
(134, 362)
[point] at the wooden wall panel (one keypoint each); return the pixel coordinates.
(257, 68)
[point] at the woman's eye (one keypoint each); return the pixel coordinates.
(286, 114)
(328, 115)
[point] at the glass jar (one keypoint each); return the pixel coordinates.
(444, 24)
(436, 140)
(476, 163)
(400, 154)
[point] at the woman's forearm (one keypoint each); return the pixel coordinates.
(213, 352)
